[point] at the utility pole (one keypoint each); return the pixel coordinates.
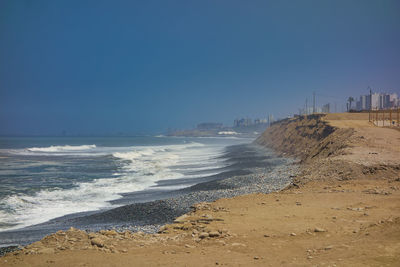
(370, 103)
(313, 110)
(306, 106)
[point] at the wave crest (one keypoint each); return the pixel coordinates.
(61, 148)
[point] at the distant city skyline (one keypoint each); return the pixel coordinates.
(141, 67)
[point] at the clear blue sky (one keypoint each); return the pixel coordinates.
(143, 66)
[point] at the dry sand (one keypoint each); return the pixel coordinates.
(343, 209)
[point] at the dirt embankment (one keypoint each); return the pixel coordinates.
(306, 138)
(331, 152)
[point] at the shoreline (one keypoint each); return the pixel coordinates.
(244, 175)
(340, 209)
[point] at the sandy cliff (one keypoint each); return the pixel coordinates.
(330, 149)
(306, 138)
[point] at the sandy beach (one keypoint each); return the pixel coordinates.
(341, 209)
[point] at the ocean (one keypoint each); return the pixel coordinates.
(43, 178)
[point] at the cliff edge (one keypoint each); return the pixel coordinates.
(306, 137)
(331, 150)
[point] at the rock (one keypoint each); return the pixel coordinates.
(213, 234)
(319, 230)
(203, 235)
(238, 244)
(97, 242)
(293, 234)
(162, 229)
(181, 219)
(266, 235)
(92, 235)
(207, 216)
(189, 246)
(60, 233)
(328, 247)
(256, 258)
(110, 233)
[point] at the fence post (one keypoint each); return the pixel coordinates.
(369, 115)
(398, 119)
(390, 117)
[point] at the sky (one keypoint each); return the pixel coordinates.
(141, 67)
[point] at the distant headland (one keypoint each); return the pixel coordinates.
(242, 127)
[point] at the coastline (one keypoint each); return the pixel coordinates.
(251, 169)
(341, 208)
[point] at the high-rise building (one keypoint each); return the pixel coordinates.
(394, 100)
(377, 101)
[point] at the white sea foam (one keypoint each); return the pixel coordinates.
(140, 168)
(61, 148)
(228, 133)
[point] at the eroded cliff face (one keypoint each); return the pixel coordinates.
(306, 137)
(328, 153)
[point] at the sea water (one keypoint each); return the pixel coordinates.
(42, 178)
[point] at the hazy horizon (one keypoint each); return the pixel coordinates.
(134, 67)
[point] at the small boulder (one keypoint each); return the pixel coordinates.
(203, 235)
(181, 219)
(319, 230)
(92, 235)
(60, 233)
(213, 234)
(110, 233)
(97, 242)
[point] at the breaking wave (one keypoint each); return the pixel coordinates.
(139, 168)
(61, 148)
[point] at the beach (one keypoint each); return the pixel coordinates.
(339, 206)
(149, 185)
